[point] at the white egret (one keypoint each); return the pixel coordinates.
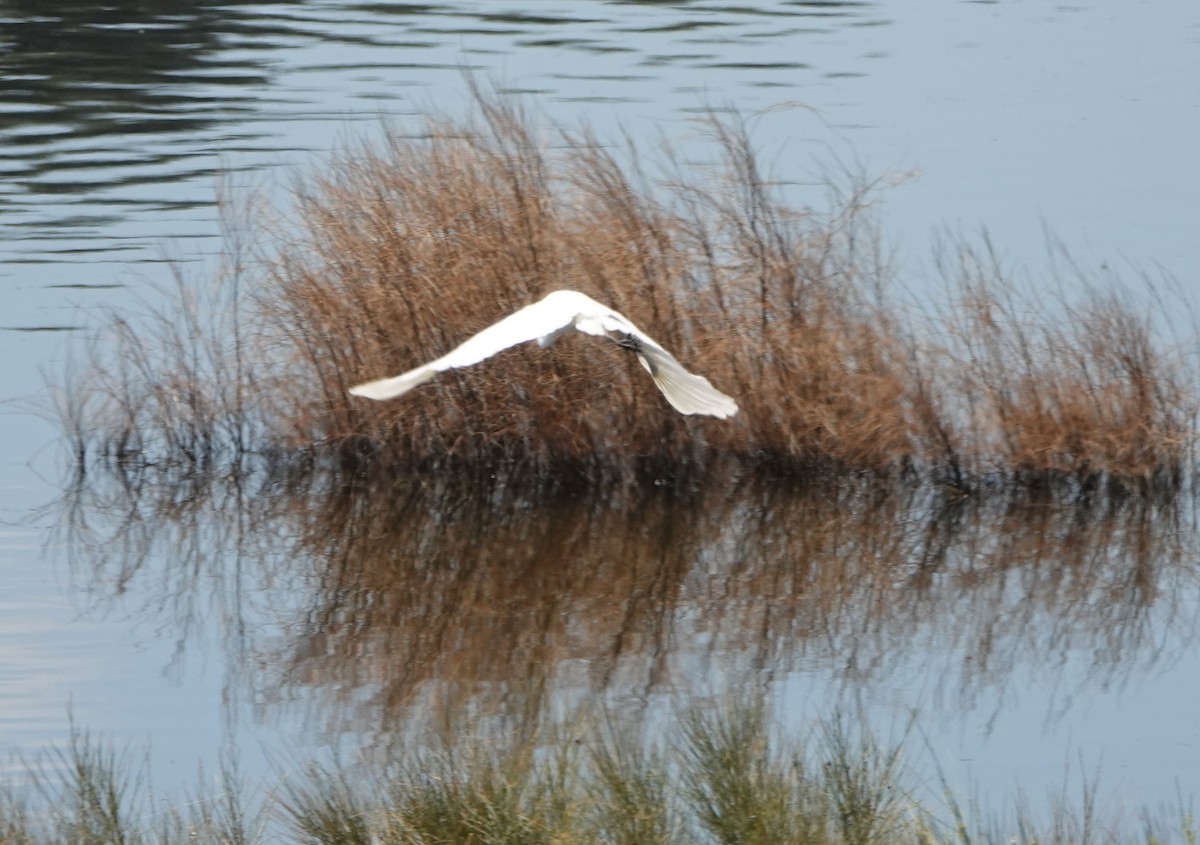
(547, 319)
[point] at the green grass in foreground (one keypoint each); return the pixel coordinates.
(722, 778)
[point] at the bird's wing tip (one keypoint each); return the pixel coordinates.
(717, 408)
(366, 391)
(388, 388)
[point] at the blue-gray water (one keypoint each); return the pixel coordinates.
(114, 127)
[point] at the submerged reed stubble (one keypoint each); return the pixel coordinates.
(407, 247)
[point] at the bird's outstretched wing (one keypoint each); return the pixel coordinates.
(539, 320)
(687, 392)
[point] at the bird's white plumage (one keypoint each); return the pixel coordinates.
(543, 321)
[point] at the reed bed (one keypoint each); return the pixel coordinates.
(401, 249)
(720, 776)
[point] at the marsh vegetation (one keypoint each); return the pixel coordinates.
(782, 295)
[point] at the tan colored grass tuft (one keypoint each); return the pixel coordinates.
(409, 249)
(1064, 387)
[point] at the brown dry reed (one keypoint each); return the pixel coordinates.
(402, 249)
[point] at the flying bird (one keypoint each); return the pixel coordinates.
(547, 319)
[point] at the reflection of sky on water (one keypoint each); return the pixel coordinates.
(1079, 117)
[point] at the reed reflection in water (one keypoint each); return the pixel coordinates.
(391, 607)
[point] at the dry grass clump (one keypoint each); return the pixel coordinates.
(409, 249)
(1053, 389)
(406, 248)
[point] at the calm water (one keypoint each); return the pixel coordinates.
(234, 620)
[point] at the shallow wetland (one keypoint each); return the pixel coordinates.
(935, 582)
